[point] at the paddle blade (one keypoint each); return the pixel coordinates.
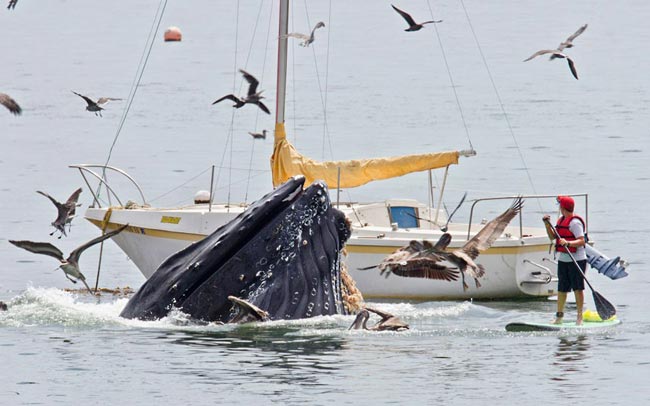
(604, 308)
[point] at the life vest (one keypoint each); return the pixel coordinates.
(563, 231)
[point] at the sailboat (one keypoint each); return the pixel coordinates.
(517, 265)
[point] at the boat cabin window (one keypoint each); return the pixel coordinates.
(404, 216)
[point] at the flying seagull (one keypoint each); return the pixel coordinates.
(556, 54)
(568, 43)
(388, 322)
(307, 39)
(70, 265)
(257, 136)
(413, 26)
(10, 104)
(66, 211)
(12, 4)
(95, 106)
(252, 97)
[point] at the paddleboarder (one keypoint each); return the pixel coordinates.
(571, 230)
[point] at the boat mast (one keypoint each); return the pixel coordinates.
(282, 67)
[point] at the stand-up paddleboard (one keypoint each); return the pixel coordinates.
(568, 325)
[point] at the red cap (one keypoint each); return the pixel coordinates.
(566, 202)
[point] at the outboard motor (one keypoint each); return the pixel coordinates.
(612, 268)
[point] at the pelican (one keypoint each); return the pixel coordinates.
(464, 257)
(247, 312)
(388, 322)
(556, 54)
(307, 39)
(424, 260)
(95, 106)
(419, 260)
(10, 104)
(3, 307)
(257, 136)
(12, 4)
(66, 211)
(70, 265)
(252, 97)
(413, 26)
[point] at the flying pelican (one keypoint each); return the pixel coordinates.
(419, 260)
(556, 54)
(10, 104)
(425, 260)
(253, 96)
(388, 322)
(12, 4)
(70, 265)
(66, 211)
(261, 135)
(464, 257)
(95, 106)
(307, 39)
(413, 26)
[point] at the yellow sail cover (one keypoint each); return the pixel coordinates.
(286, 162)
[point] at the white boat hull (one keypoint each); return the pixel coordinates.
(516, 267)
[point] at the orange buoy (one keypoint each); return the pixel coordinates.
(173, 34)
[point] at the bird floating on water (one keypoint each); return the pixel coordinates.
(95, 106)
(424, 260)
(70, 265)
(252, 97)
(66, 211)
(307, 39)
(258, 136)
(12, 4)
(557, 53)
(388, 321)
(10, 104)
(413, 26)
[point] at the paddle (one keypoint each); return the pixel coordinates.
(604, 308)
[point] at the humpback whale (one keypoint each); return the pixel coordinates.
(281, 257)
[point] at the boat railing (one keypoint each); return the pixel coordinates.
(521, 213)
(99, 172)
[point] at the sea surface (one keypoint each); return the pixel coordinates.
(365, 88)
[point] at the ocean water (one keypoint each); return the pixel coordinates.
(364, 88)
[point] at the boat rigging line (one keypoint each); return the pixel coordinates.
(451, 79)
(257, 111)
(155, 26)
(498, 96)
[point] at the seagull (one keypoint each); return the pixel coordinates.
(66, 211)
(253, 96)
(12, 4)
(94, 106)
(568, 43)
(388, 322)
(261, 135)
(10, 104)
(413, 26)
(307, 39)
(70, 265)
(556, 54)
